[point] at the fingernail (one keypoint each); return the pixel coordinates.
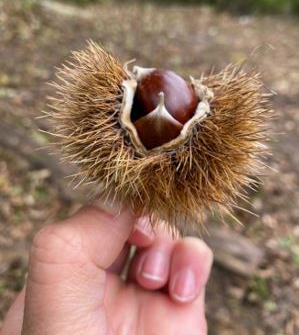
(143, 225)
(184, 285)
(154, 266)
(108, 205)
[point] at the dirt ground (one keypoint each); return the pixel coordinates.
(37, 36)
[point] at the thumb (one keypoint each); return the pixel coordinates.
(66, 278)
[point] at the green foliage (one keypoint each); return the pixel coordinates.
(260, 287)
(296, 258)
(238, 6)
(84, 2)
(292, 245)
(273, 6)
(287, 242)
(80, 1)
(270, 306)
(248, 6)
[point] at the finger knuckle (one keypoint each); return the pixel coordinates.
(56, 243)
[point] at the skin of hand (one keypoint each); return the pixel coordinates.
(74, 284)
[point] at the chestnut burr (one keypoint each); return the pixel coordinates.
(168, 147)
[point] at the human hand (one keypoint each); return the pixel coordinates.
(74, 285)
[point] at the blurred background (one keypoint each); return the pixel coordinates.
(254, 287)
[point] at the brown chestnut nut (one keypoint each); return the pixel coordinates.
(162, 104)
(180, 99)
(157, 127)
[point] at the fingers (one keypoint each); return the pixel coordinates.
(150, 266)
(105, 230)
(182, 265)
(65, 268)
(190, 269)
(14, 318)
(143, 234)
(118, 265)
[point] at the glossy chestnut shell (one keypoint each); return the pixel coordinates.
(179, 100)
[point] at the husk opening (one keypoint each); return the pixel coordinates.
(130, 85)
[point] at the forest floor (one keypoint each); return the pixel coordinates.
(37, 36)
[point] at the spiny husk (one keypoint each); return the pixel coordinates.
(221, 157)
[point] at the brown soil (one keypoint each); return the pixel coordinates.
(34, 38)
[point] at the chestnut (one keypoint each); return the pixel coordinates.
(157, 127)
(159, 108)
(162, 104)
(180, 98)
